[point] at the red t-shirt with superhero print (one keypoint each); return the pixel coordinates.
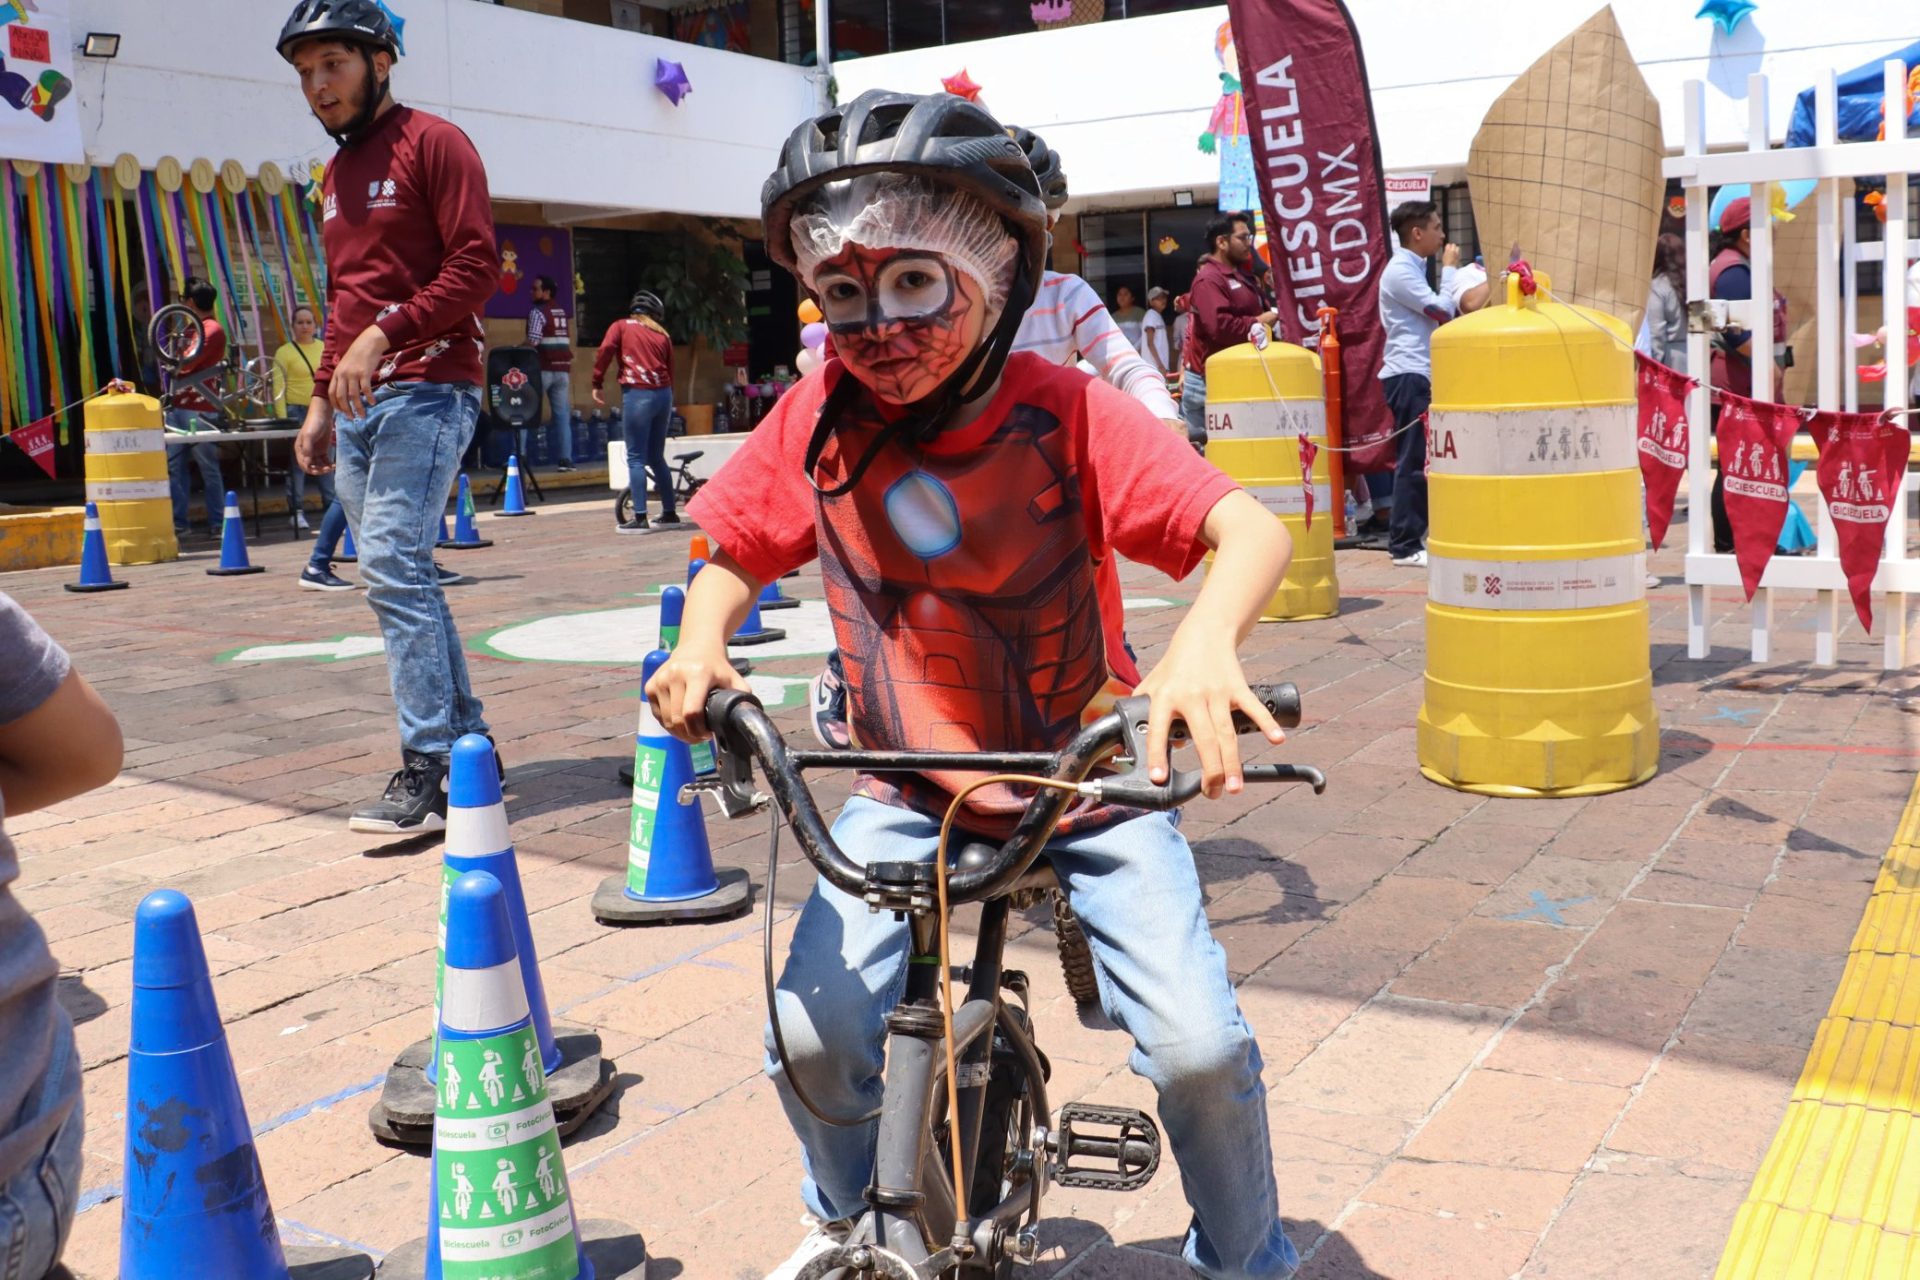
(975, 600)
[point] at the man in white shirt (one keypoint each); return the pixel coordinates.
(1410, 312)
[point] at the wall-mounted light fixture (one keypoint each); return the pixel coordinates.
(101, 44)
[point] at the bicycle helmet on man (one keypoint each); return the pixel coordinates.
(363, 24)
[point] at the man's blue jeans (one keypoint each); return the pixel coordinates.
(1163, 980)
(557, 386)
(205, 459)
(1193, 407)
(37, 1204)
(644, 415)
(326, 544)
(397, 466)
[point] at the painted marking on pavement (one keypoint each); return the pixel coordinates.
(338, 649)
(1729, 715)
(1548, 909)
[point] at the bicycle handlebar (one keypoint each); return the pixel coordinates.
(742, 729)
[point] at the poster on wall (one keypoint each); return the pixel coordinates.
(39, 120)
(526, 254)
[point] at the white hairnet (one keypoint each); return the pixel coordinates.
(906, 211)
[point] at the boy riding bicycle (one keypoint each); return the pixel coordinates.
(966, 531)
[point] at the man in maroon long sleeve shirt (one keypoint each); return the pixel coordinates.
(408, 232)
(1227, 299)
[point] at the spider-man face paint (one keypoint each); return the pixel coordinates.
(903, 320)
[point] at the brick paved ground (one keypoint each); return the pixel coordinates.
(1463, 1082)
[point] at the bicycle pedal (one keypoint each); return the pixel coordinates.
(1105, 1148)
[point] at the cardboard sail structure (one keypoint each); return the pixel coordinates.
(1566, 165)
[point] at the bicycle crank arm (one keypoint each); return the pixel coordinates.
(865, 1260)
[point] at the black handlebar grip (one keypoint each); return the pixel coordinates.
(720, 705)
(1282, 702)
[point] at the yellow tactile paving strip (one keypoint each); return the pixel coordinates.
(1838, 1196)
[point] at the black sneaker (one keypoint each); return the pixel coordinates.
(565, 466)
(631, 526)
(312, 579)
(667, 517)
(415, 801)
(449, 577)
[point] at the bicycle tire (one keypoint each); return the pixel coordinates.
(175, 333)
(623, 507)
(1076, 954)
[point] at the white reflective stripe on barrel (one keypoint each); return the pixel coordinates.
(1532, 442)
(148, 440)
(1291, 499)
(1266, 419)
(1536, 584)
(127, 490)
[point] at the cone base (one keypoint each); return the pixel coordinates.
(778, 604)
(611, 905)
(236, 573)
(403, 1116)
(509, 515)
(88, 587)
(765, 635)
(340, 559)
(454, 544)
(614, 1249)
(304, 1263)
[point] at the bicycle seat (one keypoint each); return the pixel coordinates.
(689, 455)
(976, 851)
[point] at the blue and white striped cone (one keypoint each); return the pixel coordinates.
(578, 1080)
(348, 552)
(500, 1205)
(673, 608)
(465, 536)
(95, 575)
(670, 874)
(771, 597)
(195, 1200)
(516, 499)
(233, 544)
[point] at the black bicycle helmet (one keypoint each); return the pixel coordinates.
(1046, 167)
(953, 142)
(646, 303)
(361, 23)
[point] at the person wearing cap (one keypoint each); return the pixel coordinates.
(645, 351)
(407, 226)
(57, 740)
(1730, 277)
(1154, 343)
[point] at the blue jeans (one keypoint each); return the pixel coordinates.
(1193, 407)
(396, 467)
(644, 416)
(557, 386)
(205, 459)
(1163, 980)
(326, 545)
(37, 1204)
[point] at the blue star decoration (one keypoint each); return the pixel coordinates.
(399, 26)
(1728, 13)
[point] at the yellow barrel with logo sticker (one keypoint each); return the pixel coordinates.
(1259, 404)
(1538, 677)
(127, 477)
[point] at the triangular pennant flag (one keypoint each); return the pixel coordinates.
(1663, 439)
(1863, 460)
(1754, 437)
(36, 438)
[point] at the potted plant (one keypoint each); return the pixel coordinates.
(704, 285)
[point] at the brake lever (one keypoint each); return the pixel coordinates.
(731, 782)
(1136, 790)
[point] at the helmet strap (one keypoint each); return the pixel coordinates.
(368, 109)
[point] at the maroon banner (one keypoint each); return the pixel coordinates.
(37, 439)
(1663, 439)
(1317, 167)
(1754, 437)
(1863, 459)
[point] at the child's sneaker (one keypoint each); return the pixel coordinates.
(827, 705)
(415, 800)
(824, 1237)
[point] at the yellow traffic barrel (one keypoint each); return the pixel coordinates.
(1538, 677)
(1259, 403)
(127, 477)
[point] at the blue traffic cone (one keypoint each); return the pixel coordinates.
(233, 544)
(445, 537)
(670, 874)
(477, 839)
(516, 500)
(693, 569)
(754, 631)
(673, 607)
(465, 536)
(499, 1198)
(94, 573)
(194, 1194)
(771, 597)
(348, 552)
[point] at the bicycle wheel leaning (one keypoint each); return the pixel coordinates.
(623, 507)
